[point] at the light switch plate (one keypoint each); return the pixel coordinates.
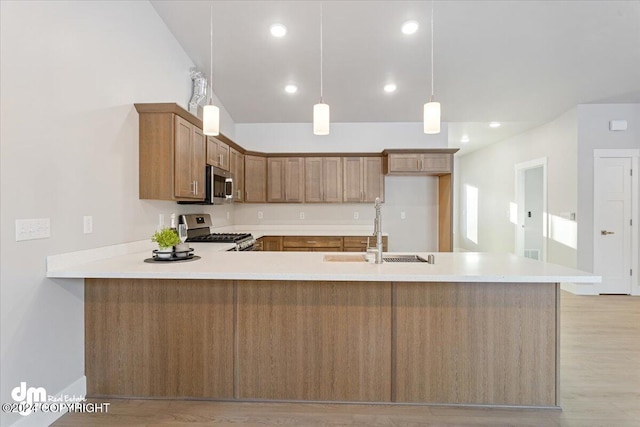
(30, 229)
(260, 214)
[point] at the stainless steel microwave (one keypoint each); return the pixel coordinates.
(218, 187)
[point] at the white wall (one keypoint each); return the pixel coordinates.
(594, 133)
(70, 73)
(416, 196)
(491, 171)
(344, 137)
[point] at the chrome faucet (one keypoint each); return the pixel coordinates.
(377, 231)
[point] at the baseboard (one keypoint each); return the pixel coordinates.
(39, 419)
(580, 288)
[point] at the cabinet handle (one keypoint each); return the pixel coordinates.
(196, 188)
(362, 196)
(221, 159)
(239, 195)
(311, 241)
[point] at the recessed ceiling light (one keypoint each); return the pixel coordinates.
(464, 139)
(390, 87)
(410, 27)
(291, 88)
(278, 30)
(494, 125)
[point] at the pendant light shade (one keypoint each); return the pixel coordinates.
(321, 120)
(432, 108)
(211, 113)
(432, 117)
(211, 120)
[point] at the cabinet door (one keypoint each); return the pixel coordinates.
(294, 180)
(313, 187)
(272, 243)
(223, 156)
(436, 163)
(198, 162)
(236, 167)
(185, 162)
(405, 162)
(352, 179)
(212, 152)
(332, 179)
(255, 179)
(373, 179)
(275, 179)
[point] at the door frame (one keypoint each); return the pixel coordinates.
(520, 169)
(634, 154)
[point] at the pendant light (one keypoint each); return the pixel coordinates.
(211, 113)
(432, 108)
(321, 110)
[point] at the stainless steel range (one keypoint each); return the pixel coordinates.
(199, 230)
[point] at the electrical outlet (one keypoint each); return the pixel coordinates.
(260, 214)
(87, 222)
(356, 215)
(403, 215)
(301, 215)
(29, 229)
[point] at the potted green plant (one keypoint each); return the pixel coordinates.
(166, 239)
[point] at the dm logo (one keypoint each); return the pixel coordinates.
(28, 396)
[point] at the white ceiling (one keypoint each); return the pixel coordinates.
(522, 63)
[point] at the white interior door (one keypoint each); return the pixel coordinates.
(612, 223)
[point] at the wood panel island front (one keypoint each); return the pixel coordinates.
(471, 329)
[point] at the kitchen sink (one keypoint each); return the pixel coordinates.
(403, 258)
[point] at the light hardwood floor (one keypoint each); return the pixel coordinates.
(599, 384)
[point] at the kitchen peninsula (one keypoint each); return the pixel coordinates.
(470, 329)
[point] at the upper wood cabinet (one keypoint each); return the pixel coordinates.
(363, 180)
(285, 179)
(255, 179)
(419, 162)
(236, 167)
(171, 156)
(323, 179)
(217, 153)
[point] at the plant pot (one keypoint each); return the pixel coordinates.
(181, 250)
(164, 253)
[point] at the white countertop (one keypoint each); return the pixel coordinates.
(216, 263)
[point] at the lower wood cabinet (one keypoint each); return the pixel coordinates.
(312, 243)
(269, 244)
(318, 243)
(359, 243)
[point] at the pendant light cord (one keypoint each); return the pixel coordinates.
(211, 52)
(431, 50)
(321, 57)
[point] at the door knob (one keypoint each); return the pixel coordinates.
(605, 232)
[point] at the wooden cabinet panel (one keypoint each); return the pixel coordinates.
(314, 341)
(373, 179)
(333, 242)
(359, 243)
(500, 341)
(404, 162)
(172, 156)
(255, 179)
(236, 167)
(189, 165)
(418, 163)
(363, 179)
(159, 338)
(285, 179)
(217, 153)
(323, 179)
(270, 243)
